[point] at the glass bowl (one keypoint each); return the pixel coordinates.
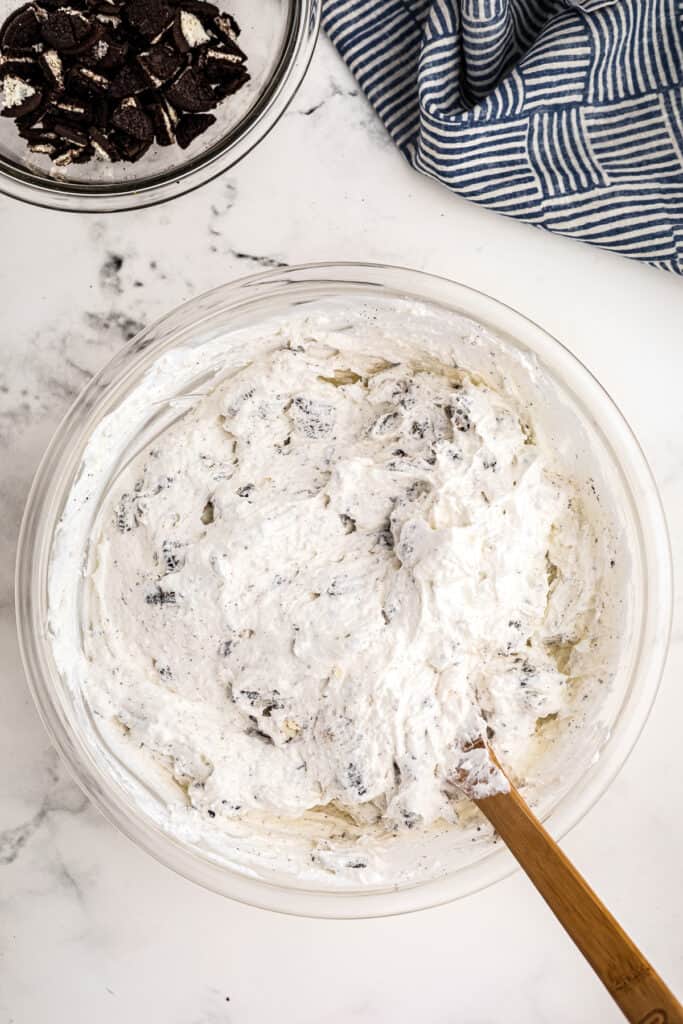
(372, 292)
(278, 37)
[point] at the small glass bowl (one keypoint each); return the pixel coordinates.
(287, 293)
(278, 37)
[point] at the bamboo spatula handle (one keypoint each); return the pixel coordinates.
(630, 979)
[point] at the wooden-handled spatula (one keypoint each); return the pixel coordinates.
(631, 981)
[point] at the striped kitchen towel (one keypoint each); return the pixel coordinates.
(567, 114)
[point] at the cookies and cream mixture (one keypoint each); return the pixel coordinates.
(329, 579)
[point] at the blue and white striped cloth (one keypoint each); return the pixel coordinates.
(567, 114)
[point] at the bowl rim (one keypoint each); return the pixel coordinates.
(40, 515)
(269, 106)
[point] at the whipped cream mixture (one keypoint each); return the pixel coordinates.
(308, 569)
(322, 585)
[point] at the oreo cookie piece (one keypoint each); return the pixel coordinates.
(231, 46)
(83, 156)
(16, 58)
(70, 133)
(103, 147)
(164, 119)
(133, 149)
(65, 29)
(191, 92)
(107, 54)
(160, 64)
(53, 70)
(34, 117)
(109, 21)
(129, 81)
(190, 126)
(188, 31)
(229, 86)
(150, 18)
(21, 31)
(44, 149)
(70, 109)
(35, 136)
(218, 65)
(130, 118)
(89, 41)
(204, 10)
(99, 109)
(16, 63)
(73, 155)
(226, 27)
(19, 97)
(85, 80)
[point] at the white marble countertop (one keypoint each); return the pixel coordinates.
(91, 929)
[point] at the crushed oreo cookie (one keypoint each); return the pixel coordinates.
(105, 79)
(190, 126)
(21, 98)
(191, 91)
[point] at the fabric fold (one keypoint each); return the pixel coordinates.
(566, 114)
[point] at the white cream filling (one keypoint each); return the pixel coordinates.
(192, 29)
(15, 92)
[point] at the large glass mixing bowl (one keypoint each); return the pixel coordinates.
(374, 290)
